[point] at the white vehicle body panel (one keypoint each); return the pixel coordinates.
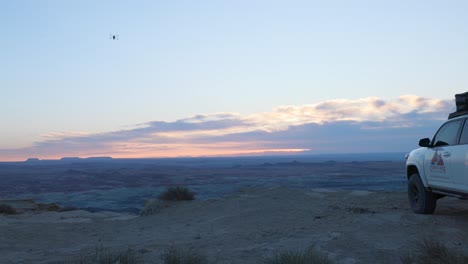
(460, 168)
(445, 167)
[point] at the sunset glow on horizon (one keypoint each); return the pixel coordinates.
(333, 126)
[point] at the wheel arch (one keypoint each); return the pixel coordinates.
(410, 170)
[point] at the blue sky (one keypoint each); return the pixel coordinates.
(64, 82)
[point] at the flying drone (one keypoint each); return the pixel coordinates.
(113, 37)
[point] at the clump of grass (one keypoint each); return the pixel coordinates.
(103, 255)
(178, 256)
(433, 252)
(152, 207)
(53, 207)
(47, 207)
(68, 208)
(7, 209)
(308, 256)
(178, 193)
(360, 210)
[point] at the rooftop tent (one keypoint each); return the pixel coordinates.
(461, 101)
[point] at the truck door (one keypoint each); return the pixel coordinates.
(438, 158)
(460, 161)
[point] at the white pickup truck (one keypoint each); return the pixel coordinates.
(440, 166)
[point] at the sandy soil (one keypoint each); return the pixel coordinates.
(351, 227)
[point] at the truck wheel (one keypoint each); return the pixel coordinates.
(421, 200)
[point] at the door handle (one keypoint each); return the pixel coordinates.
(446, 154)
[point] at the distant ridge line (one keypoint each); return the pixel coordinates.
(340, 157)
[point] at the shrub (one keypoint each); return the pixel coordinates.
(68, 208)
(152, 207)
(360, 210)
(433, 252)
(7, 209)
(177, 193)
(178, 256)
(52, 207)
(104, 256)
(309, 256)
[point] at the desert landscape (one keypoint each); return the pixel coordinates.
(123, 185)
(355, 212)
(348, 226)
(282, 129)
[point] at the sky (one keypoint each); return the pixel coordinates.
(221, 78)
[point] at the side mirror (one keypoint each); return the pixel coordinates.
(425, 142)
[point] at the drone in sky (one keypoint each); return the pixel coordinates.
(113, 37)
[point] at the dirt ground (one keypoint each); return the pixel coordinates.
(348, 226)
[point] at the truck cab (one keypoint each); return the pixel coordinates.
(439, 167)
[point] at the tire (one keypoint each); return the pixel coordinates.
(421, 200)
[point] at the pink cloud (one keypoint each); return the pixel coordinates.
(334, 125)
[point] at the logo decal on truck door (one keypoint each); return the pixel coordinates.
(437, 163)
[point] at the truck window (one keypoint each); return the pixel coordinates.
(447, 134)
(464, 134)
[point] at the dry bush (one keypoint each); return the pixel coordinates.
(308, 256)
(68, 208)
(433, 252)
(178, 256)
(360, 210)
(103, 255)
(178, 193)
(152, 207)
(7, 209)
(52, 207)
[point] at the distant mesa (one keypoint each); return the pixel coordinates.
(31, 160)
(76, 159)
(70, 159)
(93, 159)
(99, 158)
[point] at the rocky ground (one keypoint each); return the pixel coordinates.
(348, 226)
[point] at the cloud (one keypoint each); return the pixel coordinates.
(359, 110)
(344, 125)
